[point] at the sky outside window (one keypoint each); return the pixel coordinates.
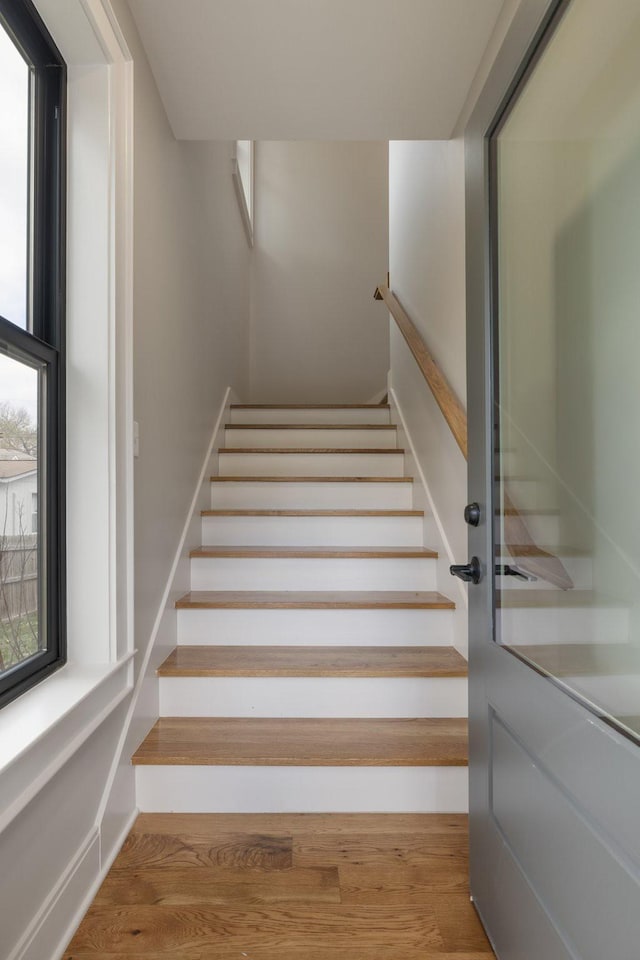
(14, 181)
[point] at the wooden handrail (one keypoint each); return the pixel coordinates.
(518, 540)
(452, 410)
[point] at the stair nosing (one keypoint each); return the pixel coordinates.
(308, 665)
(310, 406)
(264, 552)
(310, 426)
(312, 513)
(314, 600)
(328, 747)
(323, 451)
(288, 479)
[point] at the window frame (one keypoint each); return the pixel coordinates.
(43, 344)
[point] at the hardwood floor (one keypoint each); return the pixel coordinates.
(286, 887)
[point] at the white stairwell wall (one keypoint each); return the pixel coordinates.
(427, 274)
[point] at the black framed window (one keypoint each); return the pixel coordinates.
(32, 297)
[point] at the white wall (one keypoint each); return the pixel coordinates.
(191, 323)
(321, 248)
(427, 267)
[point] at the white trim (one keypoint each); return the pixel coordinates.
(107, 30)
(75, 702)
(82, 873)
(167, 595)
(432, 507)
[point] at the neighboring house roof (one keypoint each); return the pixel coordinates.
(15, 453)
(16, 463)
(12, 469)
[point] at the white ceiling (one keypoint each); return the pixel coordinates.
(314, 69)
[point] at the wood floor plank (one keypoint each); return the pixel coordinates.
(141, 928)
(403, 884)
(333, 661)
(379, 851)
(315, 600)
(403, 895)
(315, 552)
(304, 742)
(236, 849)
(458, 923)
(218, 886)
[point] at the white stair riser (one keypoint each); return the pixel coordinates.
(245, 789)
(531, 494)
(310, 438)
(311, 464)
(315, 627)
(311, 415)
(531, 625)
(311, 496)
(277, 573)
(544, 528)
(580, 569)
(313, 531)
(339, 697)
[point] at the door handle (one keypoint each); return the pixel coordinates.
(469, 572)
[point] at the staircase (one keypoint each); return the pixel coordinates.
(314, 670)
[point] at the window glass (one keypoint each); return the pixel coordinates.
(567, 192)
(14, 182)
(20, 634)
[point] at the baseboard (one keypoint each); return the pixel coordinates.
(70, 897)
(146, 673)
(446, 584)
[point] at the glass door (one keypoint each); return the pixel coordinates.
(566, 192)
(553, 348)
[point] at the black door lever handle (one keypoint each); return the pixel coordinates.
(469, 572)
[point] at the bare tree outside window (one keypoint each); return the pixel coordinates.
(20, 635)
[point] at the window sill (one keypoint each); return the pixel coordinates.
(44, 728)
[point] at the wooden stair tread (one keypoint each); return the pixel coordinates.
(528, 512)
(329, 661)
(551, 599)
(310, 406)
(581, 659)
(311, 426)
(315, 600)
(536, 550)
(314, 553)
(249, 479)
(312, 513)
(394, 451)
(304, 742)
